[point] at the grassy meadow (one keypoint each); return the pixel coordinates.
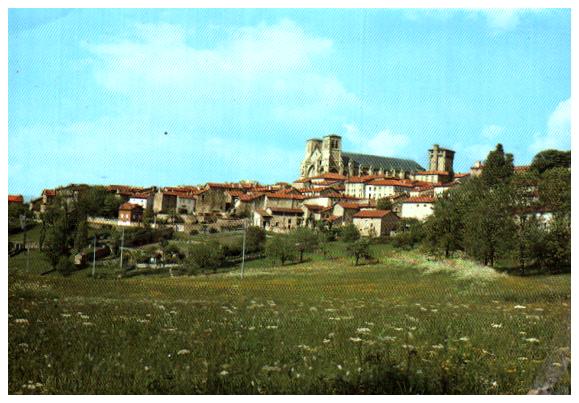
(403, 325)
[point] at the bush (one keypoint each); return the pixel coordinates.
(194, 232)
(282, 248)
(349, 233)
(254, 239)
(212, 230)
(203, 257)
(359, 249)
(410, 233)
(65, 266)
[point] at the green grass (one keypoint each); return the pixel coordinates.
(33, 235)
(405, 325)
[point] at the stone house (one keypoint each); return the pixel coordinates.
(384, 187)
(130, 214)
(346, 210)
(164, 202)
(417, 207)
(278, 219)
(373, 223)
(142, 199)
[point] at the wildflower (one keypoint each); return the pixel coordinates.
(339, 367)
(532, 340)
(268, 368)
(388, 338)
(494, 384)
(363, 330)
(326, 341)
(21, 321)
(539, 309)
(85, 317)
(87, 324)
(272, 327)
(520, 307)
(522, 333)
(557, 364)
(464, 338)
(437, 346)
(251, 328)
(183, 352)
(398, 329)
(497, 325)
(355, 339)
(522, 358)
(65, 315)
(223, 373)
(147, 368)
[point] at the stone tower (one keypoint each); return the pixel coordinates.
(332, 154)
(440, 159)
(311, 163)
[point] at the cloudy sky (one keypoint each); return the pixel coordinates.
(237, 92)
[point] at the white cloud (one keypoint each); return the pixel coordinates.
(492, 131)
(558, 135)
(386, 142)
(274, 67)
(497, 19)
(502, 19)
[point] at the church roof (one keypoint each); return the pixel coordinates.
(386, 163)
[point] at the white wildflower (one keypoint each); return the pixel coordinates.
(497, 325)
(223, 373)
(21, 321)
(520, 307)
(464, 338)
(183, 352)
(532, 340)
(437, 346)
(268, 368)
(355, 339)
(363, 330)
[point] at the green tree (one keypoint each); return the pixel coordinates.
(305, 240)
(555, 190)
(359, 249)
(498, 167)
(81, 236)
(349, 233)
(489, 226)
(111, 204)
(384, 204)
(255, 238)
(57, 242)
(558, 244)
(549, 159)
(148, 216)
(444, 228)
(203, 257)
(280, 247)
(410, 233)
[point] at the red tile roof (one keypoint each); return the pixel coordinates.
(522, 168)
(141, 195)
(314, 207)
(250, 197)
(371, 213)
(49, 192)
(353, 206)
(389, 182)
(15, 199)
(302, 180)
(333, 218)
(286, 210)
(419, 199)
(362, 179)
(459, 175)
(279, 195)
(432, 173)
(330, 176)
(129, 206)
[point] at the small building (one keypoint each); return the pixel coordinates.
(417, 207)
(130, 214)
(373, 223)
(185, 203)
(164, 202)
(433, 176)
(142, 199)
(278, 219)
(15, 199)
(382, 187)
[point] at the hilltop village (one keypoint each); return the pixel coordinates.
(335, 188)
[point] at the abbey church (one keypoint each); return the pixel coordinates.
(326, 156)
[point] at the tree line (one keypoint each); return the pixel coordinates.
(502, 215)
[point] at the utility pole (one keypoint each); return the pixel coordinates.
(122, 245)
(243, 249)
(93, 256)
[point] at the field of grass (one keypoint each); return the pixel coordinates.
(404, 325)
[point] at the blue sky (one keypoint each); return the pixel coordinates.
(92, 92)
